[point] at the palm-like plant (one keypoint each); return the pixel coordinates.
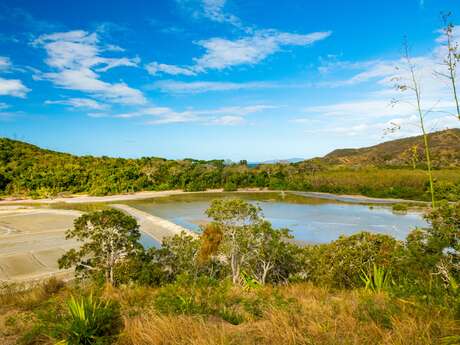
(91, 321)
(378, 280)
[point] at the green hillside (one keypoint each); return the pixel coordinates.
(29, 171)
(444, 147)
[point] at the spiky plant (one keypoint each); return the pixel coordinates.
(91, 321)
(378, 280)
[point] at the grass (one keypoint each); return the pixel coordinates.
(298, 314)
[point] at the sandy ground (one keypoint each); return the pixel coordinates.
(156, 227)
(32, 240)
(81, 199)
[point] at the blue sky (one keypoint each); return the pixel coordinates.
(208, 79)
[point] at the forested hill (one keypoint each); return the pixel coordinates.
(27, 170)
(444, 147)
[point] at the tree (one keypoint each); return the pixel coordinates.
(272, 255)
(108, 237)
(444, 234)
(178, 255)
(235, 217)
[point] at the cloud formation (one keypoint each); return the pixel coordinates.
(172, 86)
(11, 87)
(221, 53)
(374, 112)
(220, 116)
(76, 60)
(85, 103)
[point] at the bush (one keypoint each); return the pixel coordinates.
(340, 263)
(91, 321)
(402, 208)
(52, 286)
(203, 296)
(230, 187)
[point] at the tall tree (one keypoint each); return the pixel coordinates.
(236, 217)
(107, 237)
(272, 255)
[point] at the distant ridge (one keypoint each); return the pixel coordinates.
(288, 160)
(444, 147)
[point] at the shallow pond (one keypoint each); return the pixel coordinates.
(311, 220)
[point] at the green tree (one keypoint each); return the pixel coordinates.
(236, 217)
(444, 233)
(272, 255)
(108, 237)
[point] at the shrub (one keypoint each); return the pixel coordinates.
(230, 187)
(52, 286)
(203, 296)
(402, 208)
(340, 263)
(377, 280)
(91, 321)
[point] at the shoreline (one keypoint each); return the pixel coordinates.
(88, 199)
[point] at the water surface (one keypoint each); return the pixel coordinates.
(311, 220)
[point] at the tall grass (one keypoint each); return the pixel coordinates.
(313, 316)
(318, 317)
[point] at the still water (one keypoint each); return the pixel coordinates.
(310, 220)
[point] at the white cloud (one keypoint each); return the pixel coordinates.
(374, 112)
(13, 87)
(222, 53)
(211, 9)
(207, 86)
(228, 120)
(5, 63)
(214, 10)
(360, 108)
(76, 58)
(80, 103)
(219, 116)
(156, 68)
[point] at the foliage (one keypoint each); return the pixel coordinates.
(237, 220)
(192, 296)
(26, 170)
(340, 263)
(378, 280)
(108, 237)
(400, 208)
(91, 321)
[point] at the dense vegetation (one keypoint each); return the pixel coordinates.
(243, 282)
(382, 171)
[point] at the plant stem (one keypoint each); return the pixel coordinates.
(416, 89)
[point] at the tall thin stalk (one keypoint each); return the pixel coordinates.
(451, 60)
(415, 87)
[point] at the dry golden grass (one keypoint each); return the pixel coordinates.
(314, 316)
(318, 317)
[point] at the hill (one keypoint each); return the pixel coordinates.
(444, 147)
(29, 171)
